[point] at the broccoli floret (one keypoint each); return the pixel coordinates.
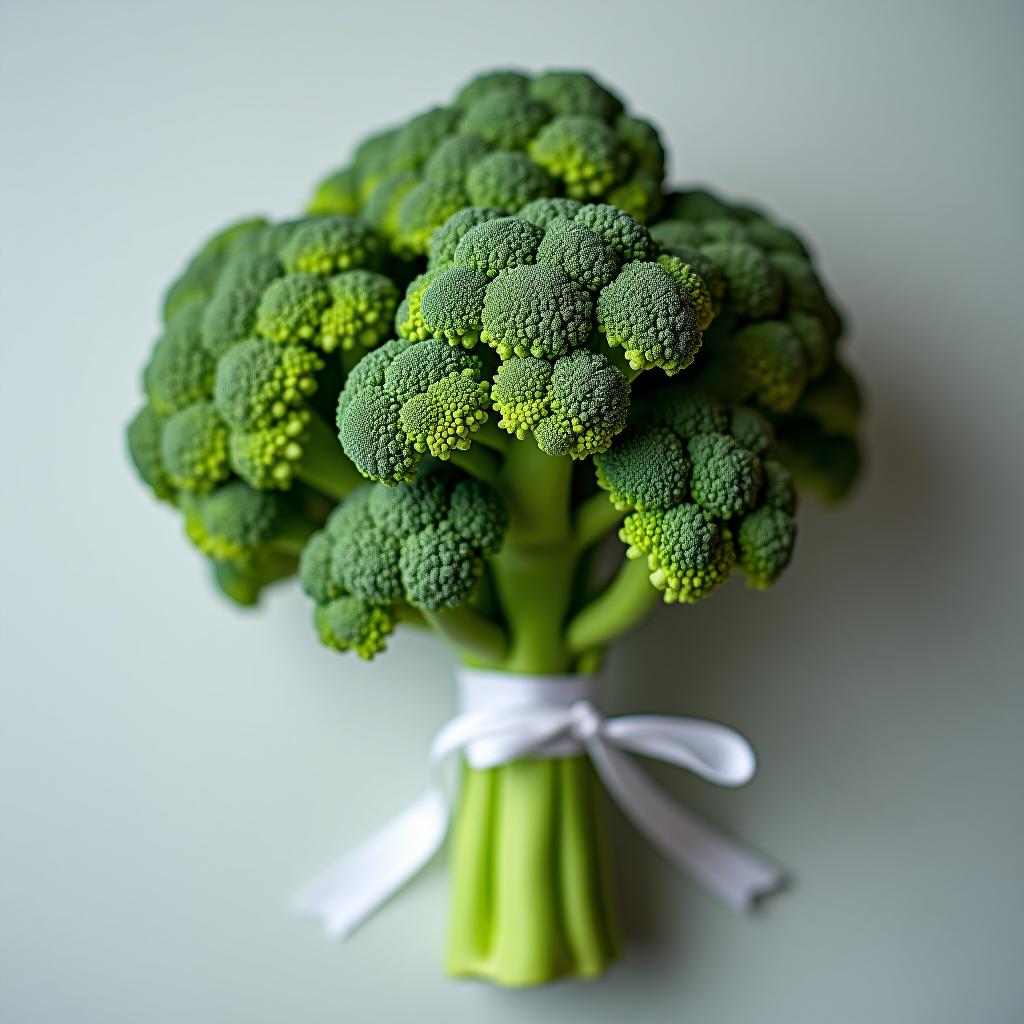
(834, 401)
(574, 92)
(688, 413)
(827, 464)
(764, 361)
(423, 210)
(543, 211)
(506, 118)
(765, 538)
(230, 315)
(584, 153)
(361, 312)
(477, 513)
(180, 370)
(326, 245)
(520, 393)
(645, 470)
(578, 252)
(813, 338)
(536, 310)
(726, 477)
(750, 428)
(413, 143)
(695, 287)
(779, 491)
(439, 568)
(445, 240)
(409, 322)
(244, 584)
(351, 624)
(754, 288)
(507, 180)
(646, 312)
(381, 209)
(337, 193)
(641, 138)
(291, 309)
(625, 234)
(688, 553)
(144, 447)
(451, 306)
(454, 157)
(498, 244)
(431, 400)
(194, 448)
(492, 81)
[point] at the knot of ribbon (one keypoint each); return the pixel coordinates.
(507, 717)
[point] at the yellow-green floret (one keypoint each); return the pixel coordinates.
(194, 448)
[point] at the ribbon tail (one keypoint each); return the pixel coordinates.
(735, 875)
(365, 879)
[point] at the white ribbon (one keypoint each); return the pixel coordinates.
(506, 717)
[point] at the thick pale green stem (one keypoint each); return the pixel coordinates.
(475, 637)
(619, 607)
(478, 462)
(531, 895)
(594, 518)
(324, 466)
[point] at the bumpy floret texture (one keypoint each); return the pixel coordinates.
(430, 398)
(507, 140)
(704, 492)
(422, 545)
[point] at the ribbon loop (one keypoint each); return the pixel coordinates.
(507, 717)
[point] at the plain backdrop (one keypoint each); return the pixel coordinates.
(173, 769)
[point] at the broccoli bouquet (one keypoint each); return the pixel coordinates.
(501, 383)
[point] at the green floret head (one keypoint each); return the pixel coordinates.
(370, 371)
(180, 370)
(766, 362)
(575, 92)
(372, 160)
(639, 195)
(697, 205)
(230, 315)
(678, 234)
(765, 540)
(689, 413)
(409, 322)
(814, 340)
(440, 568)
(491, 81)
(773, 237)
(583, 153)
(498, 244)
(834, 401)
(327, 245)
(506, 118)
(696, 289)
(520, 393)
(452, 305)
(423, 210)
(244, 584)
(543, 211)
(625, 234)
(688, 552)
(453, 158)
(337, 193)
(403, 511)
(647, 469)
(365, 563)
(361, 312)
(234, 522)
(316, 575)
(414, 369)
(144, 436)
(414, 143)
(726, 478)
(443, 418)
(478, 514)
(198, 279)
(754, 287)
(291, 309)
(804, 291)
(194, 448)
(751, 429)
(827, 464)
(260, 384)
(779, 490)
(382, 206)
(589, 402)
(642, 140)
(445, 240)
(646, 312)
(349, 623)
(372, 436)
(507, 180)
(578, 252)
(536, 310)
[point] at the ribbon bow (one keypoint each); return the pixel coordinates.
(506, 718)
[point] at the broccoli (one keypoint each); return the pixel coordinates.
(508, 139)
(480, 388)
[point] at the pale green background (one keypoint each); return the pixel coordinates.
(173, 769)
